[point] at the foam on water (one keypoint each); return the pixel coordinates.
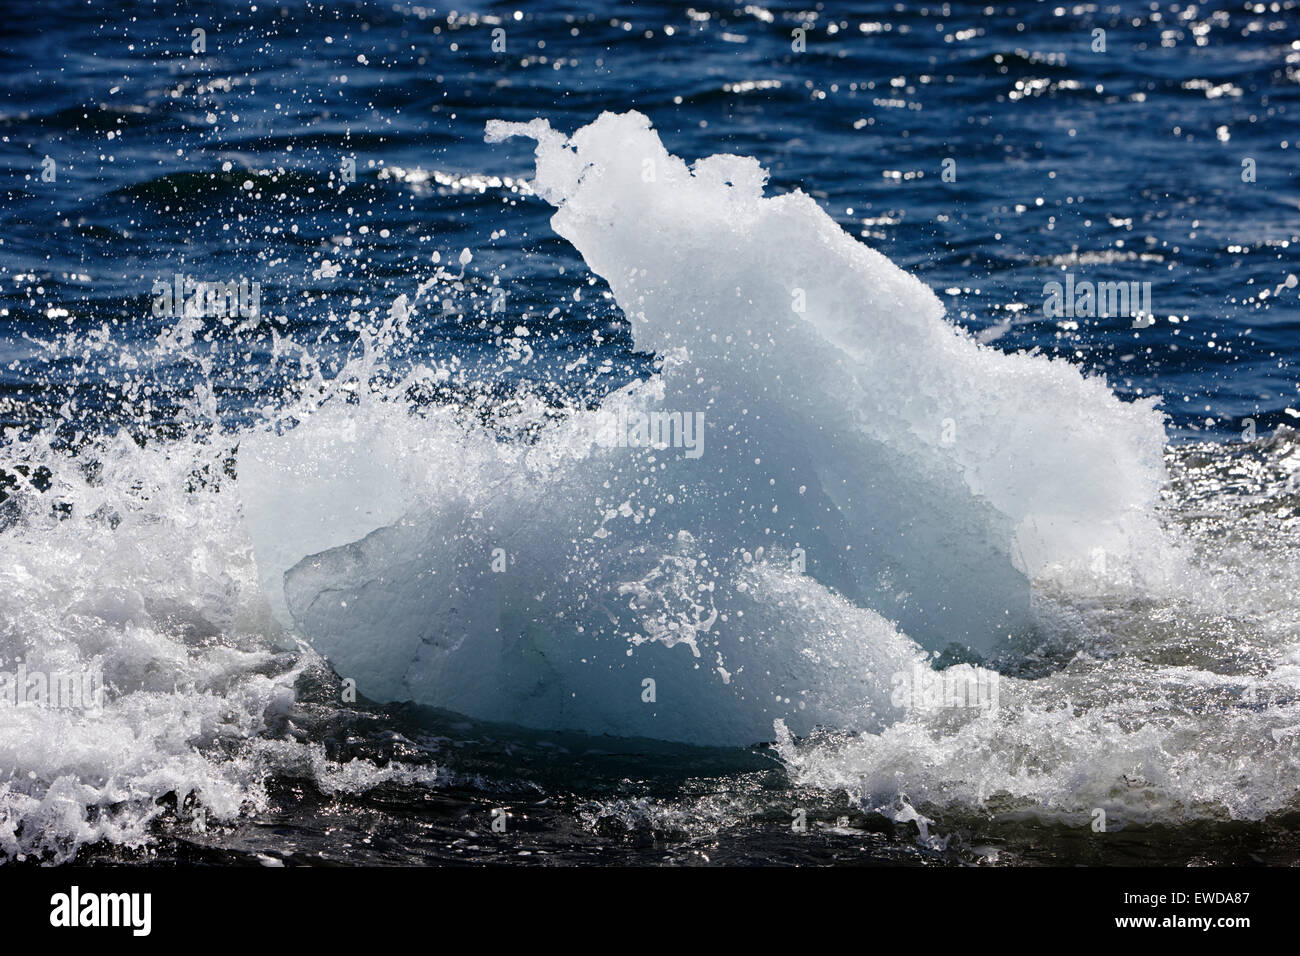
(130, 567)
(1185, 707)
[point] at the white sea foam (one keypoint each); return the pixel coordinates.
(123, 568)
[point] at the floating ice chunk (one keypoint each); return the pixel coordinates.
(907, 485)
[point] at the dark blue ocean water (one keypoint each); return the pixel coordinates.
(1122, 165)
(132, 150)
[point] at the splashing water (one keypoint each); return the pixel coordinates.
(873, 493)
